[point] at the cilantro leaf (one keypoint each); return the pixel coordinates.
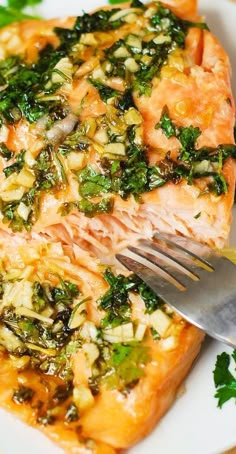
(188, 136)
(13, 12)
(224, 379)
(116, 300)
(114, 2)
(125, 362)
(92, 183)
(175, 27)
(105, 92)
(166, 124)
(5, 152)
(91, 209)
(21, 4)
(97, 21)
(17, 166)
(9, 15)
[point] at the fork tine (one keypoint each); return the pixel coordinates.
(180, 276)
(212, 311)
(199, 252)
(186, 266)
(147, 274)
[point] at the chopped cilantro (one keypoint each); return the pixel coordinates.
(40, 298)
(61, 393)
(166, 124)
(224, 380)
(14, 11)
(125, 101)
(105, 92)
(134, 3)
(22, 395)
(177, 28)
(137, 4)
(92, 183)
(60, 301)
(125, 364)
(21, 4)
(46, 419)
(92, 209)
(17, 166)
(72, 413)
(151, 300)
(98, 21)
(9, 15)
(188, 137)
(116, 300)
(143, 78)
(25, 87)
(114, 2)
(87, 207)
(65, 293)
(155, 334)
(219, 185)
(5, 152)
(191, 157)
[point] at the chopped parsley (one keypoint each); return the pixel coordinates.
(125, 365)
(60, 300)
(29, 91)
(105, 92)
(5, 152)
(91, 209)
(195, 163)
(175, 27)
(114, 2)
(225, 381)
(98, 21)
(72, 413)
(116, 300)
(92, 183)
(143, 78)
(17, 166)
(22, 395)
(166, 124)
(13, 12)
(21, 4)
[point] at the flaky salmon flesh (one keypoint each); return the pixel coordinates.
(113, 125)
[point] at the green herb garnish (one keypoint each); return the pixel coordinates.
(104, 91)
(5, 152)
(172, 25)
(14, 11)
(225, 381)
(116, 300)
(92, 183)
(196, 163)
(17, 166)
(22, 395)
(125, 365)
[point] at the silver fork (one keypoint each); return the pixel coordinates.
(192, 278)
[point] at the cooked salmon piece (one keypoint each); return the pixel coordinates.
(95, 375)
(113, 125)
(116, 124)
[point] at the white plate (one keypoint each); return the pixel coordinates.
(193, 425)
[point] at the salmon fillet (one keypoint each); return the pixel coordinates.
(62, 380)
(113, 125)
(93, 160)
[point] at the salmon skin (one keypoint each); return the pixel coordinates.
(113, 125)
